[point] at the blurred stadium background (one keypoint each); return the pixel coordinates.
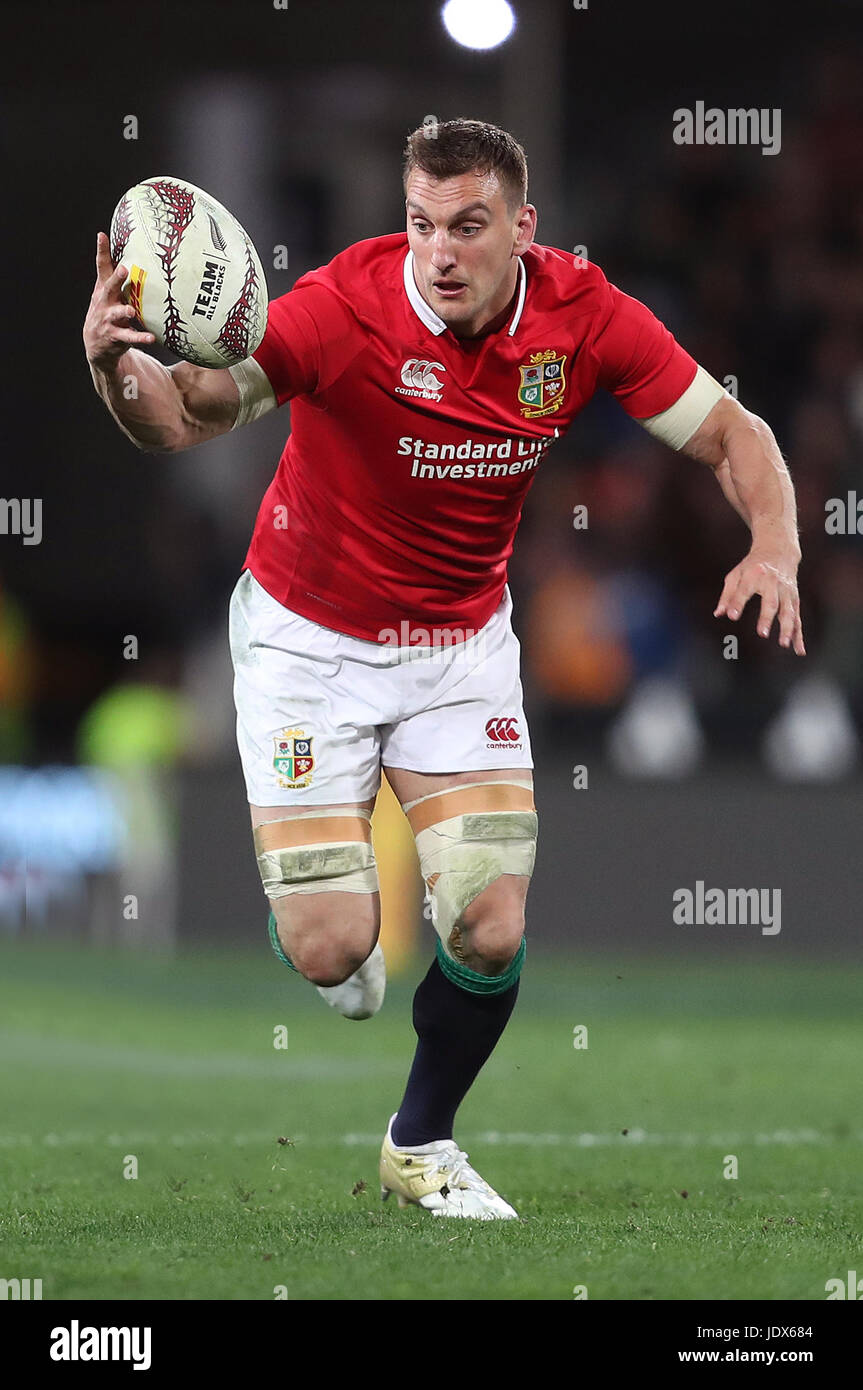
(116, 769)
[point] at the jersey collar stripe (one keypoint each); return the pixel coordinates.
(522, 291)
(418, 304)
(427, 314)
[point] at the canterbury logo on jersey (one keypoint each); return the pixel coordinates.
(419, 378)
(503, 730)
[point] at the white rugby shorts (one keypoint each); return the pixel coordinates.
(319, 712)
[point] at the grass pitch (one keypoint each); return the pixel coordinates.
(613, 1154)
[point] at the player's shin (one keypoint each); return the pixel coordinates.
(457, 1031)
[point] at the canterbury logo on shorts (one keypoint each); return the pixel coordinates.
(504, 730)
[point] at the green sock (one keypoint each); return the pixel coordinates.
(474, 983)
(276, 943)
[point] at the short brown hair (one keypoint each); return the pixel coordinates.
(445, 149)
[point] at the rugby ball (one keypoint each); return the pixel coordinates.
(195, 279)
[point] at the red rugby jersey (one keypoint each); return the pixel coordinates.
(400, 488)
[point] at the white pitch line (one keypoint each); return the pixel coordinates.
(33, 1049)
(588, 1140)
(213, 1139)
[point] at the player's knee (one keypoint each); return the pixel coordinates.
(326, 946)
(324, 963)
(477, 847)
(490, 929)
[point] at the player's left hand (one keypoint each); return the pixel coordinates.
(773, 575)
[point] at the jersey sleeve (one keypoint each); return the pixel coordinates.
(310, 339)
(640, 362)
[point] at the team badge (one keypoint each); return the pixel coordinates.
(293, 758)
(543, 383)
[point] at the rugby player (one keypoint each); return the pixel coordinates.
(429, 371)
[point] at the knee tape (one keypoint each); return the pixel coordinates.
(316, 852)
(467, 837)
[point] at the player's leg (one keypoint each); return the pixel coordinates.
(316, 866)
(318, 871)
(475, 825)
(474, 832)
(311, 762)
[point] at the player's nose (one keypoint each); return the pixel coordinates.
(441, 253)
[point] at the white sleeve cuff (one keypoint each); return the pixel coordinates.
(256, 394)
(679, 422)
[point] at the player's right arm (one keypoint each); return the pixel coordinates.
(161, 409)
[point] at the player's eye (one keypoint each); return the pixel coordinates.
(421, 226)
(471, 228)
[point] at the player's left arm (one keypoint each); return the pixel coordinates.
(745, 457)
(643, 366)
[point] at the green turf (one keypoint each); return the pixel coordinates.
(106, 1056)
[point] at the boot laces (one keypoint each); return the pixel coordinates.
(452, 1164)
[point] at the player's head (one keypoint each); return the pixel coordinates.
(468, 219)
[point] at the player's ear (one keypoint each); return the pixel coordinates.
(525, 227)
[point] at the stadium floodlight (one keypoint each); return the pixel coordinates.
(478, 23)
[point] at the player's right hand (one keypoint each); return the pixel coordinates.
(108, 331)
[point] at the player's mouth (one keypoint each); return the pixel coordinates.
(449, 289)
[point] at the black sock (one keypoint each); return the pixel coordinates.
(457, 1033)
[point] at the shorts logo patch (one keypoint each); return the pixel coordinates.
(503, 732)
(543, 383)
(293, 759)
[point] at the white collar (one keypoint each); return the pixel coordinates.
(432, 320)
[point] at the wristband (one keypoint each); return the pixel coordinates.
(256, 394)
